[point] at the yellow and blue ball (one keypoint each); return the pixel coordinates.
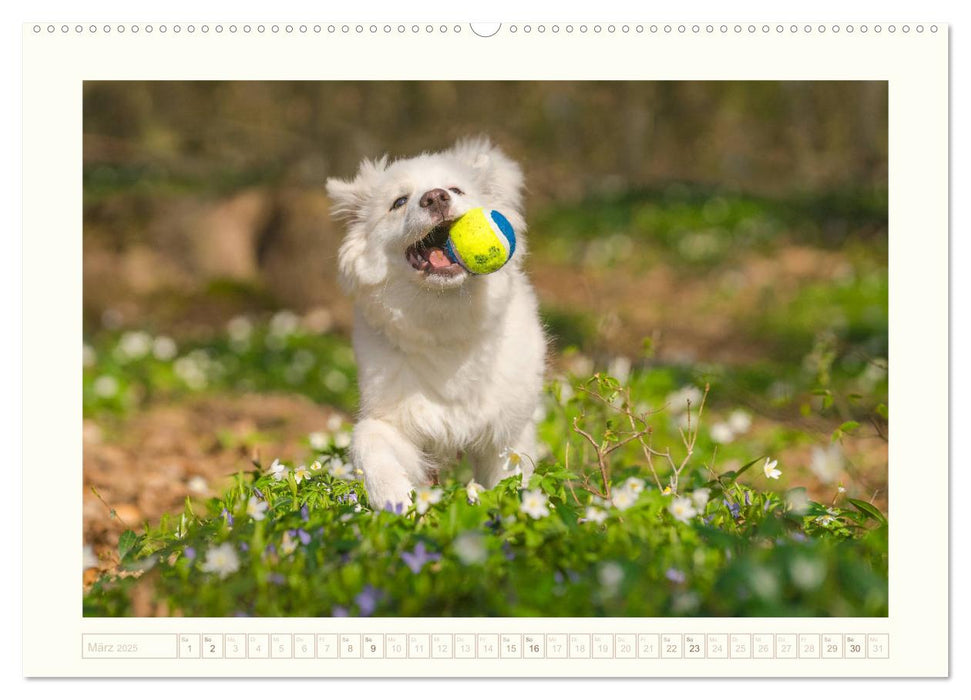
(481, 241)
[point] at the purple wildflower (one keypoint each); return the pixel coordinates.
(305, 512)
(558, 577)
(303, 535)
(367, 600)
(352, 497)
(276, 578)
(733, 508)
(189, 553)
(417, 559)
(674, 575)
(397, 508)
(748, 498)
(229, 517)
(507, 550)
(244, 546)
(259, 494)
(339, 611)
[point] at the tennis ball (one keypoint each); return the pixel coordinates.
(481, 241)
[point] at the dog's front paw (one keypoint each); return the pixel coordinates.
(392, 465)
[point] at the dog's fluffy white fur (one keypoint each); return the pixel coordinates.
(448, 362)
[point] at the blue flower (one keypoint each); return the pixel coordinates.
(229, 517)
(733, 508)
(303, 535)
(189, 553)
(276, 578)
(397, 508)
(416, 560)
(339, 611)
(674, 575)
(507, 550)
(305, 512)
(259, 494)
(367, 600)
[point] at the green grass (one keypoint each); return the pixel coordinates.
(755, 546)
(319, 550)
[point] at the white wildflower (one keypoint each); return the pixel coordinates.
(278, 471)
(682, 509)
(426, 497)
(769, 469)
(256, 508)
(198, 485)
(619, 369)
(284, 323)
(534, 504)
(89, 560)
(340, 469)
(722, 433)
(134, 345)
(288, 545)
(221, 560)
(470, 548)
(164, 348)
(301, 473)
(595, 515)
(678, 401)
(827, 462)
(739, 421)
(239, 329)
(610, 575)
(634, 485)
(334, 380)
(342, 440)
(699, 498)
(623, 498)
(105, 386)
(512, 460)
(472, 491)
(318, 440)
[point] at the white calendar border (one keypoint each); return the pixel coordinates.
(55, 64)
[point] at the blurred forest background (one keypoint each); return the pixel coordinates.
(723, 232)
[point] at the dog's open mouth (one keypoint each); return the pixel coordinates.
(428, 254)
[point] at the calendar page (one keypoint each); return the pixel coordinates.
(513, 349)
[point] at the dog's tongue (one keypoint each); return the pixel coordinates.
(437, 259)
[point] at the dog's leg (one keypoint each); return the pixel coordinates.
(392, 465)
(493, 463)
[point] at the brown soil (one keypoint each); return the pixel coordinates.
(144, 466)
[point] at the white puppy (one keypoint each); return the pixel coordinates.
(448, 362)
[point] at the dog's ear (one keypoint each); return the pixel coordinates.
(499, 176)
(348, 197)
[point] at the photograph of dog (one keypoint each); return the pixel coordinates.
(490, 348)
(448, 362)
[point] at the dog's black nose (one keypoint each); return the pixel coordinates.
(438, 200)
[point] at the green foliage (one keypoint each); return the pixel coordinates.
(291, 541)
(126, 370)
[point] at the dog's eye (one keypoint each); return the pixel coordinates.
(456, 190)
(399, 202)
